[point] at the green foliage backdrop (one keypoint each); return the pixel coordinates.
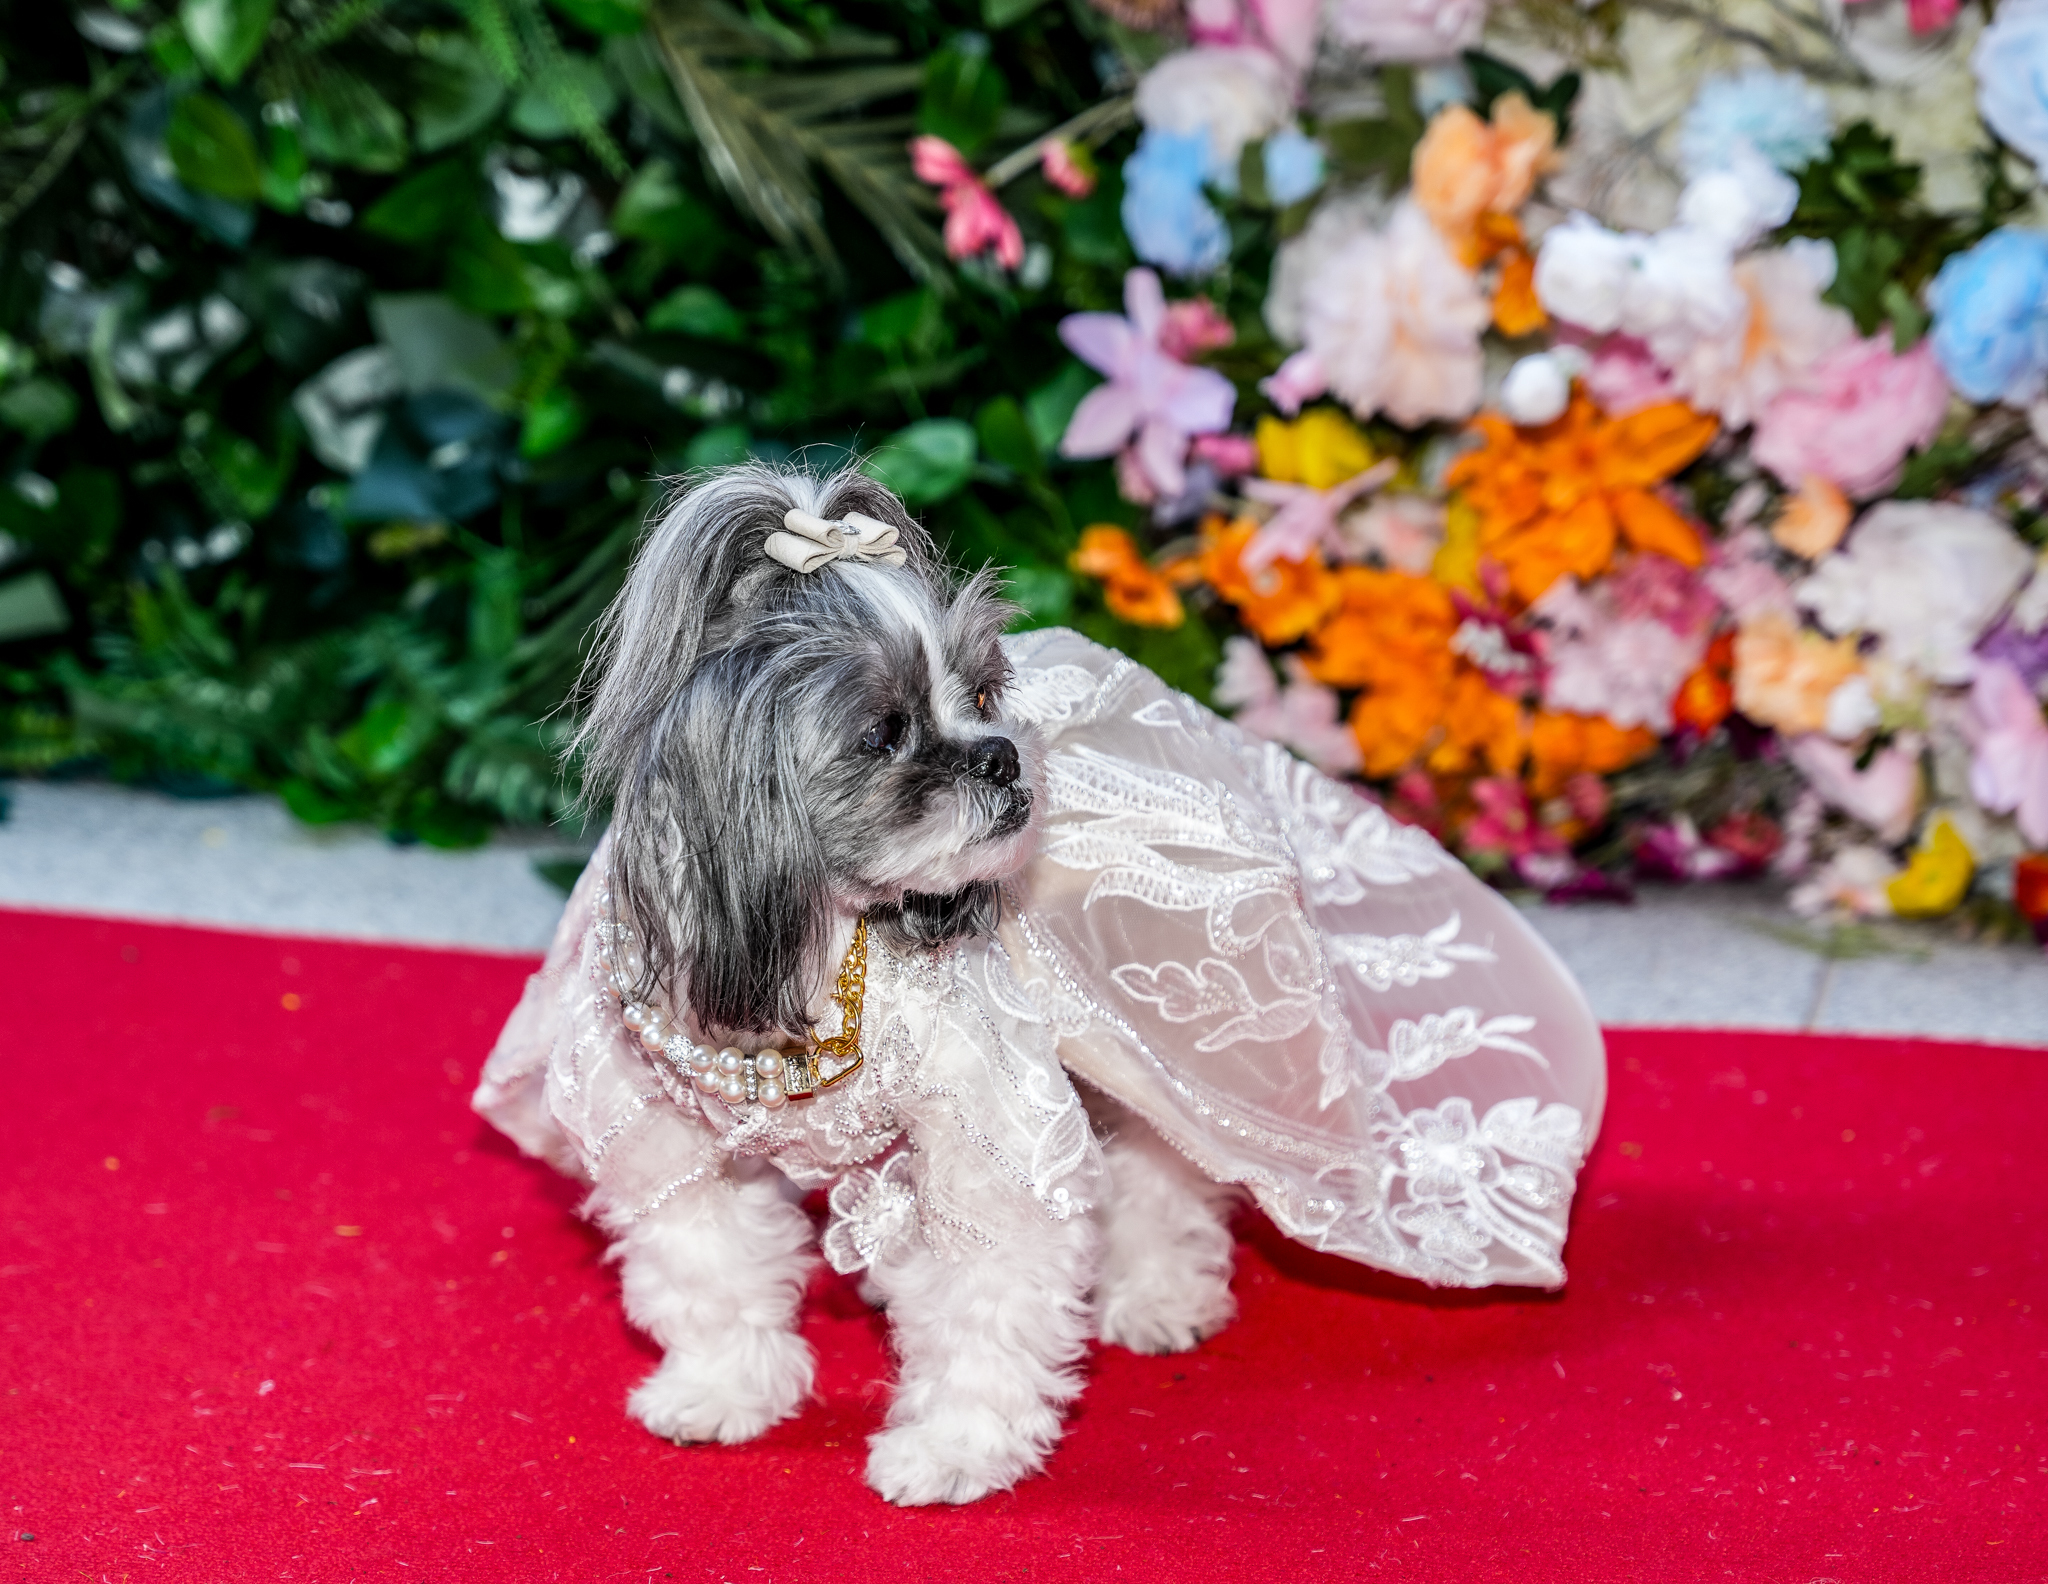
(345, 347)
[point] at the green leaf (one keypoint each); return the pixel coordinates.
(494, 601)
(439, 346)
(390, 735)
(89, 503)
(252, 479)
(31, 607)
(1007, 439)
(925, 462)
(721, 446)
(998, 14)
(455, 92)
(1046, 594)
(551, 423)
(485, 273)
(284, 170)
(697, 311)
(211, 149)
(605, 16)
(426, 206)
(314, 806)
(226, 34)
(348, 122)
(554, 107)
(654, 207)
(39, 407)
(1051, 407)
(964, 94)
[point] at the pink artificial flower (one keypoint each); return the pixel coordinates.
(1628, 668)
(1676, 852)
(1148, 394)
(1230, 455)
(1303, 715)
(1661, 589)
(1300, 379)
(1286, 29)
(1067, 167)
(974, 220)
(1854, 417)
(1506, 825)
(1885, 796)
(1623, 376)
(1926, 16)
(1194, 326)
(1742, 574)
(1307, 518)
(2010, 773)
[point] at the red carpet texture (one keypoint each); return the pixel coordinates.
(274, 1305)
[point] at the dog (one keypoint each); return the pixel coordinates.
(1036, 967)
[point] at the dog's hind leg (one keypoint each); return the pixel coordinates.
(990, 1345)
(1166, 1247)
(716, 1276)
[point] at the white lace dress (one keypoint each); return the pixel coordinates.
(1302, 994)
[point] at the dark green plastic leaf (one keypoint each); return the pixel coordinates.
(252, 479)
(455, 92)
(717, 447)
(31, 607)
(1049, 408)
(605, 16)
(427, 206)
(697, 311)
(347, 122)
(39, 407)
(1006, 437)
(925, 462)
(494, 598)
(226, 34)
(655, 208)
(211, 149)
(485, 273)
(551, 423)
(964, 94)
(996, 14)
(551, 107)
(89, 504)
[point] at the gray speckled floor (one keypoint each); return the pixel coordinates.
(1697, 956)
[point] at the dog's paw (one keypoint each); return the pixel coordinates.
(1162, 1311)
(958, 1454)
(732, 1395)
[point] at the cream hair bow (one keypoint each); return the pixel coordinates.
(811, 542)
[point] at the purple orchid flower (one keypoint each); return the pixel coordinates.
(1148, 394)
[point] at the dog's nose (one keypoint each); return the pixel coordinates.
(993, 759)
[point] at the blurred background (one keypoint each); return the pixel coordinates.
(1612, 435)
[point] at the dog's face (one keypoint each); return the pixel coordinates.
(787, 745)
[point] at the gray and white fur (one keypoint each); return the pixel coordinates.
(783, 751)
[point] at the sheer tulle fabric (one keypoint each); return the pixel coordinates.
(1301, 994)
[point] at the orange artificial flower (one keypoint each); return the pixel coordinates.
(1556, 499)
(1480, 723)
(1386, 624)
(1516, 308)
(1281, 602)
(1466, 169)
(1784, 674)
(1131, 588)
(1706, 697)
(1563, 745)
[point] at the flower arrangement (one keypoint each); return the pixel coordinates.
(1621, 489)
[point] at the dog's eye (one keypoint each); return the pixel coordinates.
(885, 735)
(985, 701)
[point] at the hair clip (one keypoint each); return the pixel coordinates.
(808, 543)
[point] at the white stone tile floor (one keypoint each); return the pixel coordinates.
(1699, 956)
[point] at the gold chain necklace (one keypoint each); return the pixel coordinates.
(828, 1061)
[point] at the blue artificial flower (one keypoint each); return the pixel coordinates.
(1168, 219)
(1779, 114)
(2011, 65)
(1990, 305)
(1294, 166)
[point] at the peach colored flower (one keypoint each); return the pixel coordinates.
(1813, 521)
(1784, 674)
(1465, 168)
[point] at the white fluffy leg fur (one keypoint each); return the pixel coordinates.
(716, 1277)
(990, 1347)
(1166, 1251)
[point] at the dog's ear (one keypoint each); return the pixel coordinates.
(715, 860)
(938, 920)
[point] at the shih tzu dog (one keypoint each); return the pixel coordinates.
(878, 880)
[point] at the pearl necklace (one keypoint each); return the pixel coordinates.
(770, 1078)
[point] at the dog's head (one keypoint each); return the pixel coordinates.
(779, 743)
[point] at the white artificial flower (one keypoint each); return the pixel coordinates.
(1394, 320)
(1739, 201)
(1539, 387)
(1232, 96)
(1337, 222)
(1924, 577)
(1784, 330)
(1408, 30)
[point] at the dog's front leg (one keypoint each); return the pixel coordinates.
(716, 1276)
(990, 1344)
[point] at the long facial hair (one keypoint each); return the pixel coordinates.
(731, 707)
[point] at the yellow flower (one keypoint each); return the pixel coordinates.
(1322, 448)
(1936, 877)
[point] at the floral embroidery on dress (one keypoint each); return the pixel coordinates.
(1211, 987)
(1462, 1195)
(872, 1211)
(1383, 961)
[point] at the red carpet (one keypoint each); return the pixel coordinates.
(274, 1305)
